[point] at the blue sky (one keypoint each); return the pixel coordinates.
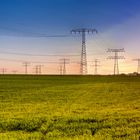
(116, 21)
(56, 16)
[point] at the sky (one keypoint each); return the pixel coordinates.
(22, 22)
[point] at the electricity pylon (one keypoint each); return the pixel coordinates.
(116, 57)
(96, 61)
(138, 67)
(4, 70)
(83, 31)
(60, 69)
(38, 69)
(26, 64)
(64, 61)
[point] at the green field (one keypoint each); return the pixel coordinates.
(69, 107)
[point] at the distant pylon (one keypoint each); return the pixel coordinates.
(60, 69)
(64, 61)
(4, 70)
(116, 57)
(26, 64)
(38, 69)
(96, 61)
(83, 31)
(138, 67)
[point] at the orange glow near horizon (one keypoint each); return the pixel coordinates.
(118, 36)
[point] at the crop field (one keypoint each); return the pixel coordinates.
(69, 107)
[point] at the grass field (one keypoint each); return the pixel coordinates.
(69, 107)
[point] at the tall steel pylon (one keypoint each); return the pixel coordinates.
(116, 57)
(138, 67)
(83, 63)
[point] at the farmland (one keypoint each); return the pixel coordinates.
(69, 107)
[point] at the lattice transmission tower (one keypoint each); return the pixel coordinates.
(3, 70)
(116, 57)
(63, 61)
(138, 67)
(96, 65)
(83, 63)
(61, 69)
(38, 69)
(26, 65)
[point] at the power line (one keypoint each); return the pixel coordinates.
(83, 31)
(34, 62)
(29, 54)
(10, 60)
(22, 61)
(32, 34)
(116, 58)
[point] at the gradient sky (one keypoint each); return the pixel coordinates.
(117, 22)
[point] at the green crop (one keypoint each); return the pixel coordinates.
(69, 107)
